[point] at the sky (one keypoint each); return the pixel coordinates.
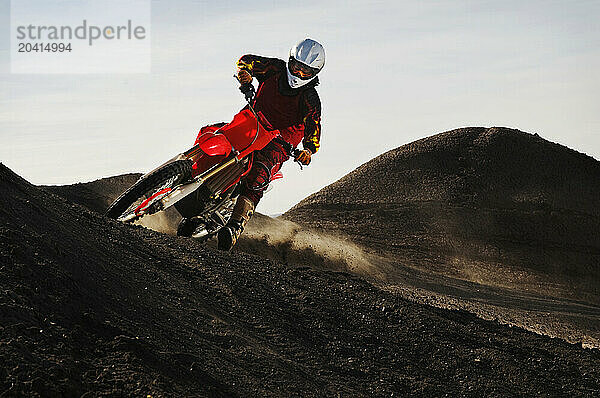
(396, 71)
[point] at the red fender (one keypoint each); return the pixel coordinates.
(214, 144)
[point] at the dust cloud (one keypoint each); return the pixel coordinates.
(288, 242)
(164, 221)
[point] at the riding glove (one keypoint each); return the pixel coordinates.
(244, 76)
(304, 157)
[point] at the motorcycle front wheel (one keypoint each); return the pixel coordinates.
(149, 189)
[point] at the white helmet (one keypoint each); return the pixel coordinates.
(306, 60)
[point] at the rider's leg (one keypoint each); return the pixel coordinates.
(242, 212)
(266, 163)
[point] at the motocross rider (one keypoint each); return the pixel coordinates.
(286, 100)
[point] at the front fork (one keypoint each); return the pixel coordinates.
(186, 189)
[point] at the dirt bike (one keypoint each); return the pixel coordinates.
(202, 183)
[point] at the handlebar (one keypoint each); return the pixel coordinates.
(295, 153)
(247, 89)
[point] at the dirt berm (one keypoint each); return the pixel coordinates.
(91, 306)
(490, 205)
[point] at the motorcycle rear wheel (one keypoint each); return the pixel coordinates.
(146, 187)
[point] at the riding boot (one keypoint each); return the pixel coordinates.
(242, 212)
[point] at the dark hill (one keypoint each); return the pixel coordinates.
(95, 195)
(492, 205)
(88, 305)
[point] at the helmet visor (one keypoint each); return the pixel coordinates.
(300, 70)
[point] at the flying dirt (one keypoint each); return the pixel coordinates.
(90, 305)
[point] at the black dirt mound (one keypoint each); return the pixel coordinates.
(492, 205)
(90, 305)
(95, 195)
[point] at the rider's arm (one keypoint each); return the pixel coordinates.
(312, 121)
(260, 67)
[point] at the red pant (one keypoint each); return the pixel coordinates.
(266, 163)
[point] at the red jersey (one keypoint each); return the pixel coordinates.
(296, 113)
